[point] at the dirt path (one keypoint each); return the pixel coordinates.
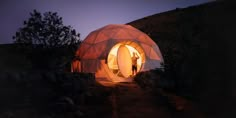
(120, 100)
(130, 101)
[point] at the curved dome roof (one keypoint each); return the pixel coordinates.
(99, 42)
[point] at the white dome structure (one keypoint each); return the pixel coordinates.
(107, 53)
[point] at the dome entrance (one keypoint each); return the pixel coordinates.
(119, 59)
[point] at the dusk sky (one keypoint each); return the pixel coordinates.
(84, 15)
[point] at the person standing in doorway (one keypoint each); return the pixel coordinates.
(134, 58)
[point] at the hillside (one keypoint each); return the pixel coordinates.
(12, 59)
(196, 44)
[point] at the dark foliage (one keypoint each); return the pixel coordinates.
(46, 30)
(46, 41)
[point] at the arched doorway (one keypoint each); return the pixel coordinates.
(119, 58)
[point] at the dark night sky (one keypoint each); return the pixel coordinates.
(84, 15)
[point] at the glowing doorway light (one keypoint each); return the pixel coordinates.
(139, 61)
(112, 58)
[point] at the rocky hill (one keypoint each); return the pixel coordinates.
(196, 43)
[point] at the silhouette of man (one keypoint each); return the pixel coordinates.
(134, 58)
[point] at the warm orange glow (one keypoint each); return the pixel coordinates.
(131, 50)
(98, 53)
(75, 66)
(124, 61)
(112, 60)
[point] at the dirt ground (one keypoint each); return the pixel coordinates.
(128, 100)
(123, 100)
